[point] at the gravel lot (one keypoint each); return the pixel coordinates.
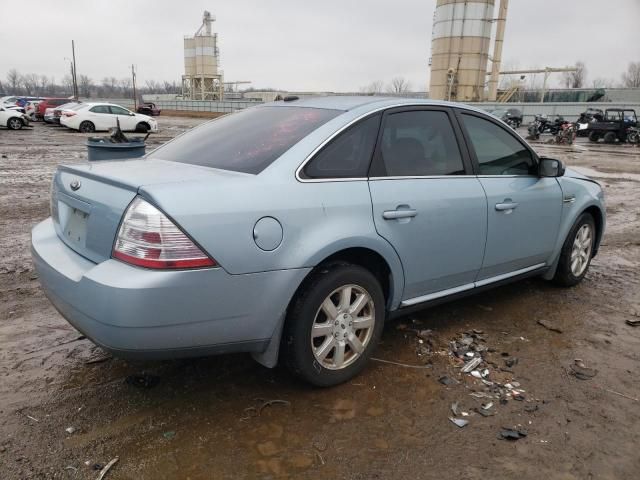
(212, 417)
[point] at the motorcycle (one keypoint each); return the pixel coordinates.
(633, 135)
(566, 134)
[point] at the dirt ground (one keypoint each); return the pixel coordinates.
(212, 418)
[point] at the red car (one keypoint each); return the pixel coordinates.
(49, 103)
(148, 108)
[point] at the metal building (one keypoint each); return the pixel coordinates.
(202, 79)
(461, 38)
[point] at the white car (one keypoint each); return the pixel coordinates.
(93, 117)
(13, 119)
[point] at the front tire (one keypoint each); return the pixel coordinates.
(610, 137)
(334, 324)
(594, 137)
(143, 127)
(576, 253)
(87, 127)
(14, 123)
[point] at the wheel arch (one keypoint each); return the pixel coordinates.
(382, 261)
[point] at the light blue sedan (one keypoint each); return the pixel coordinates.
(297, 228)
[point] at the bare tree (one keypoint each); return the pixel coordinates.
(631, 78)
(153, 86)
(602, 83)
(67, 84)
(576, 79)
(374, 88)
(85, 84)
(171, 87)
(14, 81)
(126, 86)
(398, 85)
(30, 83)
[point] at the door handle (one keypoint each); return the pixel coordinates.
(507, 205)
(396, 214)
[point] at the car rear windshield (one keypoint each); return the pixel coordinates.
(247, 141)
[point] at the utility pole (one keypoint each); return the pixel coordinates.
(74, 71)
(135, 96)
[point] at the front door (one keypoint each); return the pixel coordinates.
(127, 121)
(427, 204)
(524, 209)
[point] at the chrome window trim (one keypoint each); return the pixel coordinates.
(468, 286)
(344, 127)
(508, 176)
(418, 177)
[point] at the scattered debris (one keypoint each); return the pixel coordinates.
(106, 468)
(512, 433)
(444, 380)
(633, 323)
(268, 403)
(549, 326)
(399, 364)
(581, 372)
(71, 468)
(510, 362)
(531, 408)
(471, 365)
(459, 422)
(169, 435)
(454, 408)
(143, 380)
(70, 430)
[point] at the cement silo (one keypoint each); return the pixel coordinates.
(202, 79)
(461, 38)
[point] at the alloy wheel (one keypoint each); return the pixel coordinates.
(343, 327)
(581, 251)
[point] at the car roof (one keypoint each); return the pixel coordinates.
(351, 102)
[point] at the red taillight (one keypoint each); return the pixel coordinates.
(147, 238)
(68, 114)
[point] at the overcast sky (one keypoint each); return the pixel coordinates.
(338, 45)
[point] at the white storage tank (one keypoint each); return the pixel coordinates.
(460, 42)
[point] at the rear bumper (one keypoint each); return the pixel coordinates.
(141, 313)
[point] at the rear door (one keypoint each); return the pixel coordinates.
(101, 117)
(427, 203)
(524, 209)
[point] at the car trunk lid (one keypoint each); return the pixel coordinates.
(88, 201)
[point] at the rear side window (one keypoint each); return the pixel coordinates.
(348, 155)
(99, 109)
(247, 141)
(420, 143)
(118, 110)
(498, 152)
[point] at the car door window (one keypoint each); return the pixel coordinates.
(100, 109)
(498, 152)
(420, 143)
(348, 155)
(119, 110)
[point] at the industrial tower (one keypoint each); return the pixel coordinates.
(202, 79)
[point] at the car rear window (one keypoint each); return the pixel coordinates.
(247, 141)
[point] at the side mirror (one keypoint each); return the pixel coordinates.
(550, 167)
(131, 114)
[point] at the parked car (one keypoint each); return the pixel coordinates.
(298, 227)
(148, 108)
(613, 127)
(49, 103)
(31, 109)
(13, 119)
(93, 117)
(52, 115)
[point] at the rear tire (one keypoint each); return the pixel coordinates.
(322, 343)
(610, 137)
(87, 127)
(576, 253)
(594, 137)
